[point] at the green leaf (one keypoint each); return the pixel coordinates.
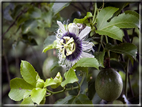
(38, 94)
(28, 72)
(123, 21)
(29, 39)
(87, 62)
(80, 99)
(59, 6)
(100, 57)
(123, 48)
(40, 83)
(132, 13)
(65, 100)
(43, 100)
(74, 91)
(47, 17)
(83, 20)
(29, 25)
(27, 101)
(113, 32)
(49, 81)
(70, 77)
(104, 15)
(18, 88)
(27, 94)
(49, 40)
(112, 28)
(22, 19)
(58, 79)
(16, 11)
(34, 12)
(51, 46)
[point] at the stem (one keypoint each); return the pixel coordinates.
(101, 43)
(24, 11)
(107, 43)
(103, 4)
(107, 63)
(130, 86)
(94, 17)
(65, 89)
(127, 38)
(126, 78)
(84, 74)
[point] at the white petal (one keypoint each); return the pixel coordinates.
(87, 46)
(73, 28)
(61, 26)
(84, 32)
(85, 54)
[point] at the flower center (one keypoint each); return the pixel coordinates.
(67, 46)
(70, 46)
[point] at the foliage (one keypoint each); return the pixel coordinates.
(114, 34)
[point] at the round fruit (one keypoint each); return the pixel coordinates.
(108, 84)
(48, 67)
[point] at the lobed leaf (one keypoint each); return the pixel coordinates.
(28, 72)
(132, 13)
(18, 88)
(123, 21)
(112, 28)
(104, 15)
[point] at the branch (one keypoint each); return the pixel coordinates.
(7, 69)
(23, 11)
(127, 38)
(78, 8)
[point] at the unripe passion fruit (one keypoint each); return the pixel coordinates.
(48, 66)
(108, 84)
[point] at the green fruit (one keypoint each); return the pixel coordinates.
(50, 67)
(108, 84)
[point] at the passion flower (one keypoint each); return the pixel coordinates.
(72, 44)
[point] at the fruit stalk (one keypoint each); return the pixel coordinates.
(126, 78)
(107, 63)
